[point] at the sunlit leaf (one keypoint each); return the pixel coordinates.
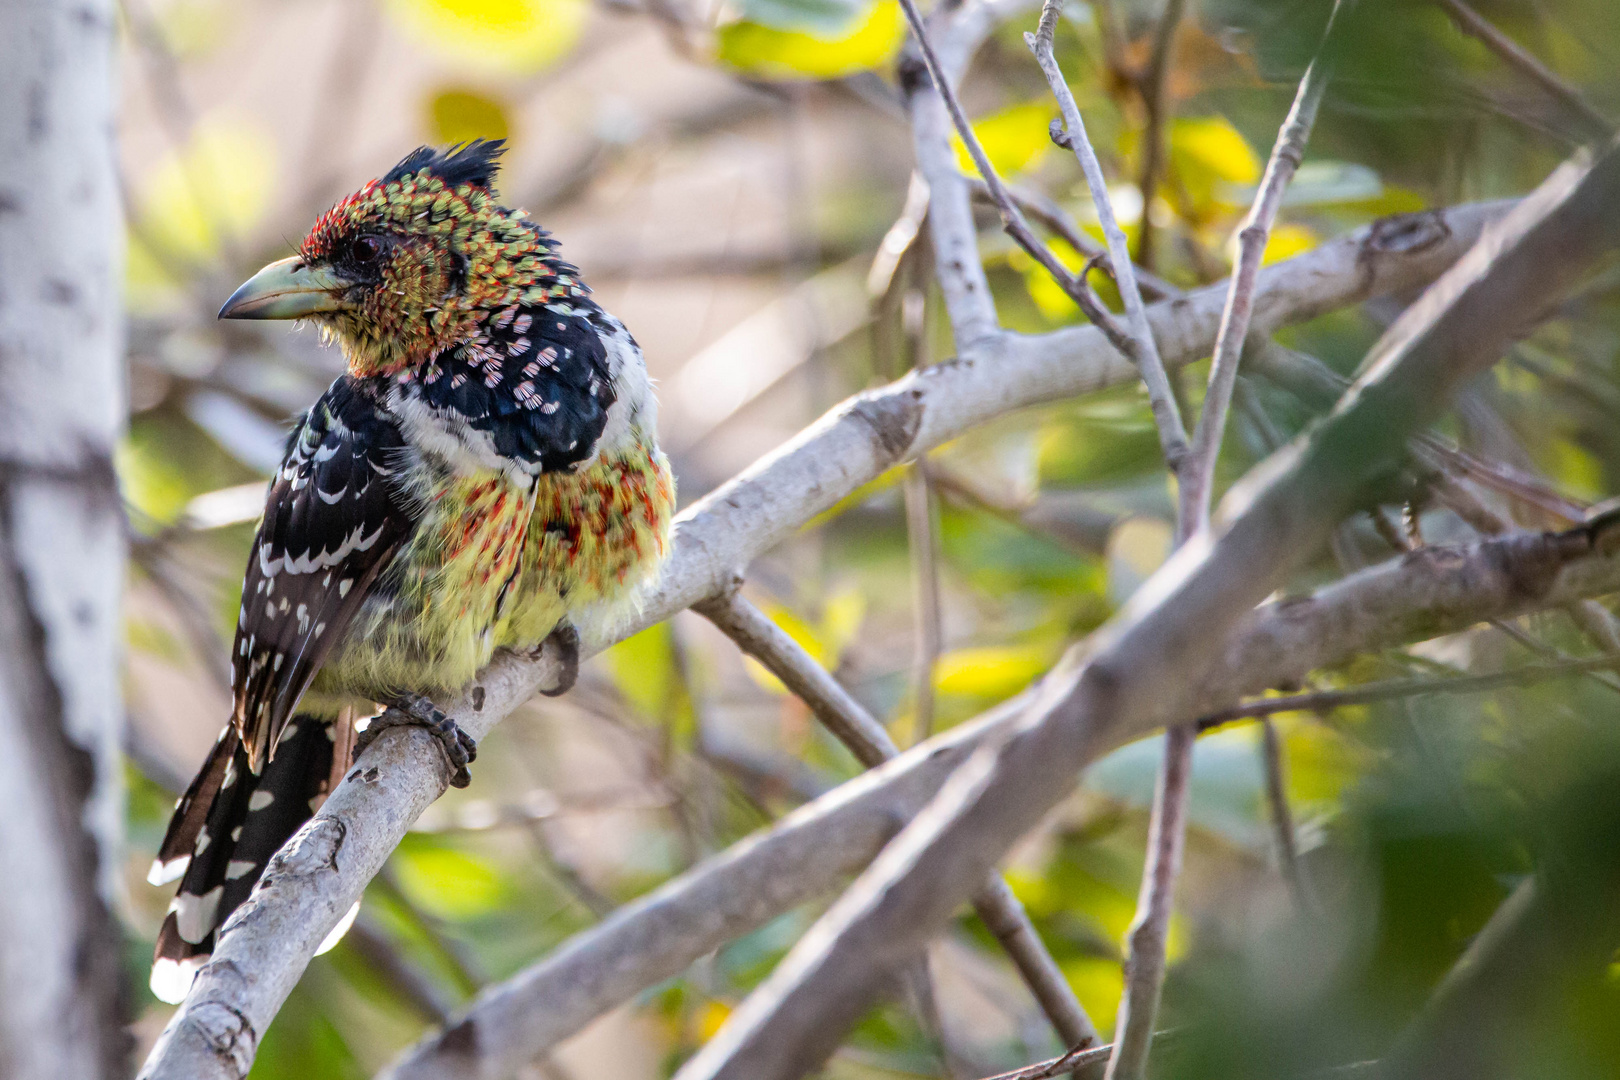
(217, 187)
(447, 882)
(458, 114)
(710, 1015)
(841, 616)
(990, 672)
(870, 41)
(514, 37)
(1014, 139)
(1322, 764)
(1287, 240)
(1098, 983)
(1208, 157)
(1212, 144)
(644, 668)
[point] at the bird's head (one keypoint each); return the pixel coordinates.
(412, 263)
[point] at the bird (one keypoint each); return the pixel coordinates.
(484, 474)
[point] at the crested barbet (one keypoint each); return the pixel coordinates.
(483, 476)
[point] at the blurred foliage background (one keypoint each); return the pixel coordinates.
(724, 174)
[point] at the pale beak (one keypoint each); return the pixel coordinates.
(287, 289)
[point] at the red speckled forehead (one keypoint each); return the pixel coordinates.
(342, 219)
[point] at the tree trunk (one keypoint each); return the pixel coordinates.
(61, 544)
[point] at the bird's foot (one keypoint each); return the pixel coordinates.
(566, 640)
(414, 710)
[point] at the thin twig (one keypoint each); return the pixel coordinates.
(1166, 831)
(1282, 816)
(1141, 671)
(1145, 351)
(1012, 219)
(858, 730)
(1144, 975)
(1392, 689)
(1519, 59)
(1082, 530)
(1074, 1060)
(1285, 158)
(1154, 82)
(923, 533)
(1050, 215)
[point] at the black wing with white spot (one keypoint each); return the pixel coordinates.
(536, 380)
(334, 518)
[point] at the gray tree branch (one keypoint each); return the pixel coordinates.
(1132, 677)
(1425, 594)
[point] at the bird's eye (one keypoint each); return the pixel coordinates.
(365, 249)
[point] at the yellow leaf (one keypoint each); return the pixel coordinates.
(514, 37)
(1212, 144)
(841, 617)
(709, 1018)
(459, 115)
(1137, 547)
(1098, 983)
(644, 669)
(218, 185)
(992, 672)
(1014, 139)
(1286, 241)
(800, 630)
(1208, 158)
(871, 41)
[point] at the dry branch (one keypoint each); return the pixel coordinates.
(1285, 160)
(858, 730)
(1434, 591)
(1132, 677)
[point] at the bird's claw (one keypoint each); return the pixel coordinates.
(416, 711)
(566, 638)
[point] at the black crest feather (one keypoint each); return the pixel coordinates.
(465, 163)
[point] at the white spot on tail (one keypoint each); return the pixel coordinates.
(164, 872)
(196, 916)
(172, 978)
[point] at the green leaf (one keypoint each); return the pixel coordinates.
(447, 882)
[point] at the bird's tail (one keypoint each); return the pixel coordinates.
(225, 829)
